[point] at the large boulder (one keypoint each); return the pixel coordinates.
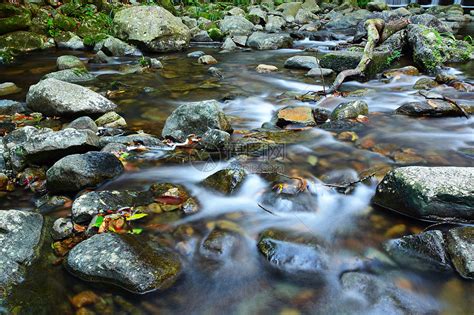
(195, 118)
(69, 62)
(29, 145)
(264, 41)
(431, 50)
(151, 28)
(20, 235)
(115, 47)
(78, 171)
(236, 25)
(425, 252)
(301, 62)
(275, 24)
(432, 108)
(350, 110)
(58, 98)
(125, 261)
(21, 41)
(431, 193)
(461, 250)
(71, 75)
(13, 18)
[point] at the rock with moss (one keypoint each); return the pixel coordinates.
(289, 10)
(257, 15)
(430, 193)
(460, 247)
(236, 25)
(275, 24)
(70, 41)
(292, 253)
(69, 62)
(71, 76)
(433, 108)
(64, 23)
(265, 41)
(424, 252)
(220, 244)
(215, 34)
(125, 261)
(115, 47)
(13, 18)
(21, 41)
(350, 110)
(226, 180)
(431, 50)
(151, 28)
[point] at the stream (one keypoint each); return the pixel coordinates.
(243, 283)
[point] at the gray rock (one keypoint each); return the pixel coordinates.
(424, 252)
(215, 72)
(214, 139)
(301, 62)
(189, 22)
(374, 294)
(236, 25)
(431, 193)
(196, 54)
(152, 28)
(207, 60)
(265, 41)
(101, 57)
(62, 228)
(227, 181)
(125, 261)
(29, 145)
(219, 244)
(111, 120)
(377, 6)
(201, 36)
(430, 21)
(115, 47)
(57, 98)
(139, 138)
(289, 10)
(84, 122)
(425, 84)
(435, 108)
(69, 62)
(257, 15)
(240, 40)
(9, 107)
(236, 11)
(195, 118)
(348, 21)
(461, 250)
(350, 110)
(89, 204)
(304, 16)
(74, 43)
(229, 45)
(20, 235)
(318, 72)
(295, 255)
(275, 24)
(155, 64)
(78, 171)
(70, 75)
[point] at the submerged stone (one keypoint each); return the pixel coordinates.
(301, 62)
(460, 247)
(69, 62)
(350, 110)
(300, 115)
(430, 193)
(125, 261)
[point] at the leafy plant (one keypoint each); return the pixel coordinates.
(362, 3)
(394, 56)
(53, 31)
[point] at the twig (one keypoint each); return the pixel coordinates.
(349, 184)
(267, 210)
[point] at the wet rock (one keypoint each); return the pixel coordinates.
(350, 110)
(207, 60)
(71, 75)
(445, 77)
(22, 41)
(300, 115)
(265, 68)
(304, 16)
(215, 139)
(431, 193)
(152, 28)
(155, 64)
(89, 204)
(431, 51)
(69, 62)
(429, 20)
(29, 145)
(318, 72)
(429, 108)
(8, 107)
(111, 120)
(101, 57)
(8, 88)
(376, 294)
(20, 235)
(133, 139)
(78, 171)
(220, 243)
(236, 25)
(301, 62)
(201, 36)
(125, 261)
(408, 70)
(240, 40)
(13, 18)
(195, 118)
(62, 228)
(74, 43)
(196, 54)
(84, 122)
(293, 254)
(226, 181)
(57, 98)
(215, 72)
(115, 47)
(425, 84)
(265, 41)
(229, 45)
(348, 21)
(377, 6)
(424, 252)
(275, 24)
(460, 246)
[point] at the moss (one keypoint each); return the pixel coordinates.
(64, 23)
(21, 41)
(215, 34)
(98, 23)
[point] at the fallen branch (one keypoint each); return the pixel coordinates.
(345, 187)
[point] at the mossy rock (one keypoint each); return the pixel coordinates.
(91, 26)
(215, 34)
(64, 23)
(22, 41)
(13, 19)
(168, 5)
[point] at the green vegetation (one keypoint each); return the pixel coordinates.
(394, 56)
(362, 3)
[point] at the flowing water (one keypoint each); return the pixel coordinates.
(353, 228)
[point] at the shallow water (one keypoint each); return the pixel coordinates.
(243, 283)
